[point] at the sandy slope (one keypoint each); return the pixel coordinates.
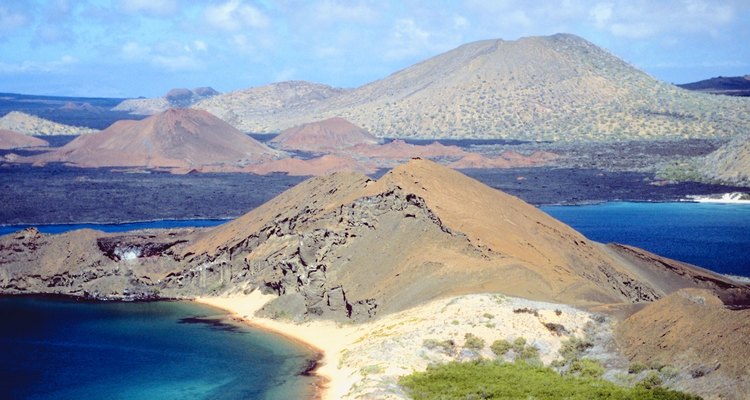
(365, 360)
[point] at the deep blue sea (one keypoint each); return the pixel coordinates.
(710, 235)
(66, 349)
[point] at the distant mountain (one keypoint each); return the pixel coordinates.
(323, 136)
(33, 125)
(558, 87)
(731, 86)
(13, 140)
(176, 138)
(260, 109)
(175, 98)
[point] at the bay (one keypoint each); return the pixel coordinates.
(59, 348)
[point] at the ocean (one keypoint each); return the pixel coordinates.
(58, 348)
(712, 236)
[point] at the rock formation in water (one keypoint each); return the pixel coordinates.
(174, 139)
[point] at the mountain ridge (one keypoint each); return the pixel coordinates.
(558, 87)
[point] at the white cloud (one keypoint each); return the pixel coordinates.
(601, 13)
(11, 20)
(406, 39)
(333, 11)
(235, 15)
(58, 65)
(200, 45)
(152, 7)
(172, 56)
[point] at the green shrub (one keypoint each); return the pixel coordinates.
(444, 346)
(636, 368)
(650, 381)
(473, 342)
(500, 347)
(520, 380)
(519, 344)
(587, 368)
(572, 348)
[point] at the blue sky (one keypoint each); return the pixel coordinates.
(130, 48)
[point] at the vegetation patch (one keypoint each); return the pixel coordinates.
(520, 380)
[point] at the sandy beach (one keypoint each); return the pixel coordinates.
(366, 360)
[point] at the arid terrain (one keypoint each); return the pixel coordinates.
(437, 233)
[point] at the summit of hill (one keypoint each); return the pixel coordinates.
(558, 87)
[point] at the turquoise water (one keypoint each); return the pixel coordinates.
(713, 236)
(66, 349)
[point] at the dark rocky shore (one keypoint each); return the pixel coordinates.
(58, 194)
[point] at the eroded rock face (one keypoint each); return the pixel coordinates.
(345, 247)
(308, 255)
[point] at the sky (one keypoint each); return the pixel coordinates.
(131, 48)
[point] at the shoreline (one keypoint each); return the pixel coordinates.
(323, 338)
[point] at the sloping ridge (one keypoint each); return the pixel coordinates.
(174, 138)
(729, 164)
(558, 87)
(346, 246)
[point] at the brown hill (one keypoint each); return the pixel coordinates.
(323, 136)
(347, 246)
(558, 87)
(693, 330)
(33, 125)
(13, 140)
(172, 139)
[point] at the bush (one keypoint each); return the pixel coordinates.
(650, 381)
(473, 342)
(572, 348)
(519, 344)
(500, 347)
(587, 368)
(636, 368)
(444, 346)
(519, 380)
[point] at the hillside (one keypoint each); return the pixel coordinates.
(727, 85)
(730, 164)
(175, 98)
(33, 125)
(323, 136)
(558, 87)
(171, 139)
(261, 109)
(13, 140)
(695, 332)
(345, 247)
